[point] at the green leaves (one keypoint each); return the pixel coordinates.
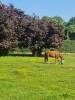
(70, 28)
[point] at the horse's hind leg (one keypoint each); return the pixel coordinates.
(56, 59)
(46, 58)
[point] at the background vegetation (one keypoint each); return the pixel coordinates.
(19, 30)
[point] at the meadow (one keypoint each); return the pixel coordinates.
(29, 78)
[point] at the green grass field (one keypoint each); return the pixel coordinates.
(29, 78)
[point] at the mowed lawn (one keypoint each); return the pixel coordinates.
(29, 78)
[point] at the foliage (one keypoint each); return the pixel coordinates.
(8, 37)
(21, 30)
(70, 29)
(55, 19)
(71, 21)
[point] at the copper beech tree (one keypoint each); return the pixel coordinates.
(18, 29)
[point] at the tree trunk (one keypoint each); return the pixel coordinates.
(36, 52)
(4, 51)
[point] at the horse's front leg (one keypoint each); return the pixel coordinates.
(57, 60)
(46, 59)
(60, 61)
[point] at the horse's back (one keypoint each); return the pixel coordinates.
(53, 53)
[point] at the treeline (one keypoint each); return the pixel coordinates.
(18, 29)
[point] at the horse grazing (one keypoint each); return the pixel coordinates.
(55, 54)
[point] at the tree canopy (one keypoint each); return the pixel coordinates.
(18, 29)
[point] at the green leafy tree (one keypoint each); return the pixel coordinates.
(57, 19)
(46, 18)
(70, 29)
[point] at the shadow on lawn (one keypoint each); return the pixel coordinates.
(23, 55)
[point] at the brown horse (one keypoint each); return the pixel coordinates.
(55, 54)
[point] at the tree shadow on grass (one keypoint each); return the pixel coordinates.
(23, 55)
